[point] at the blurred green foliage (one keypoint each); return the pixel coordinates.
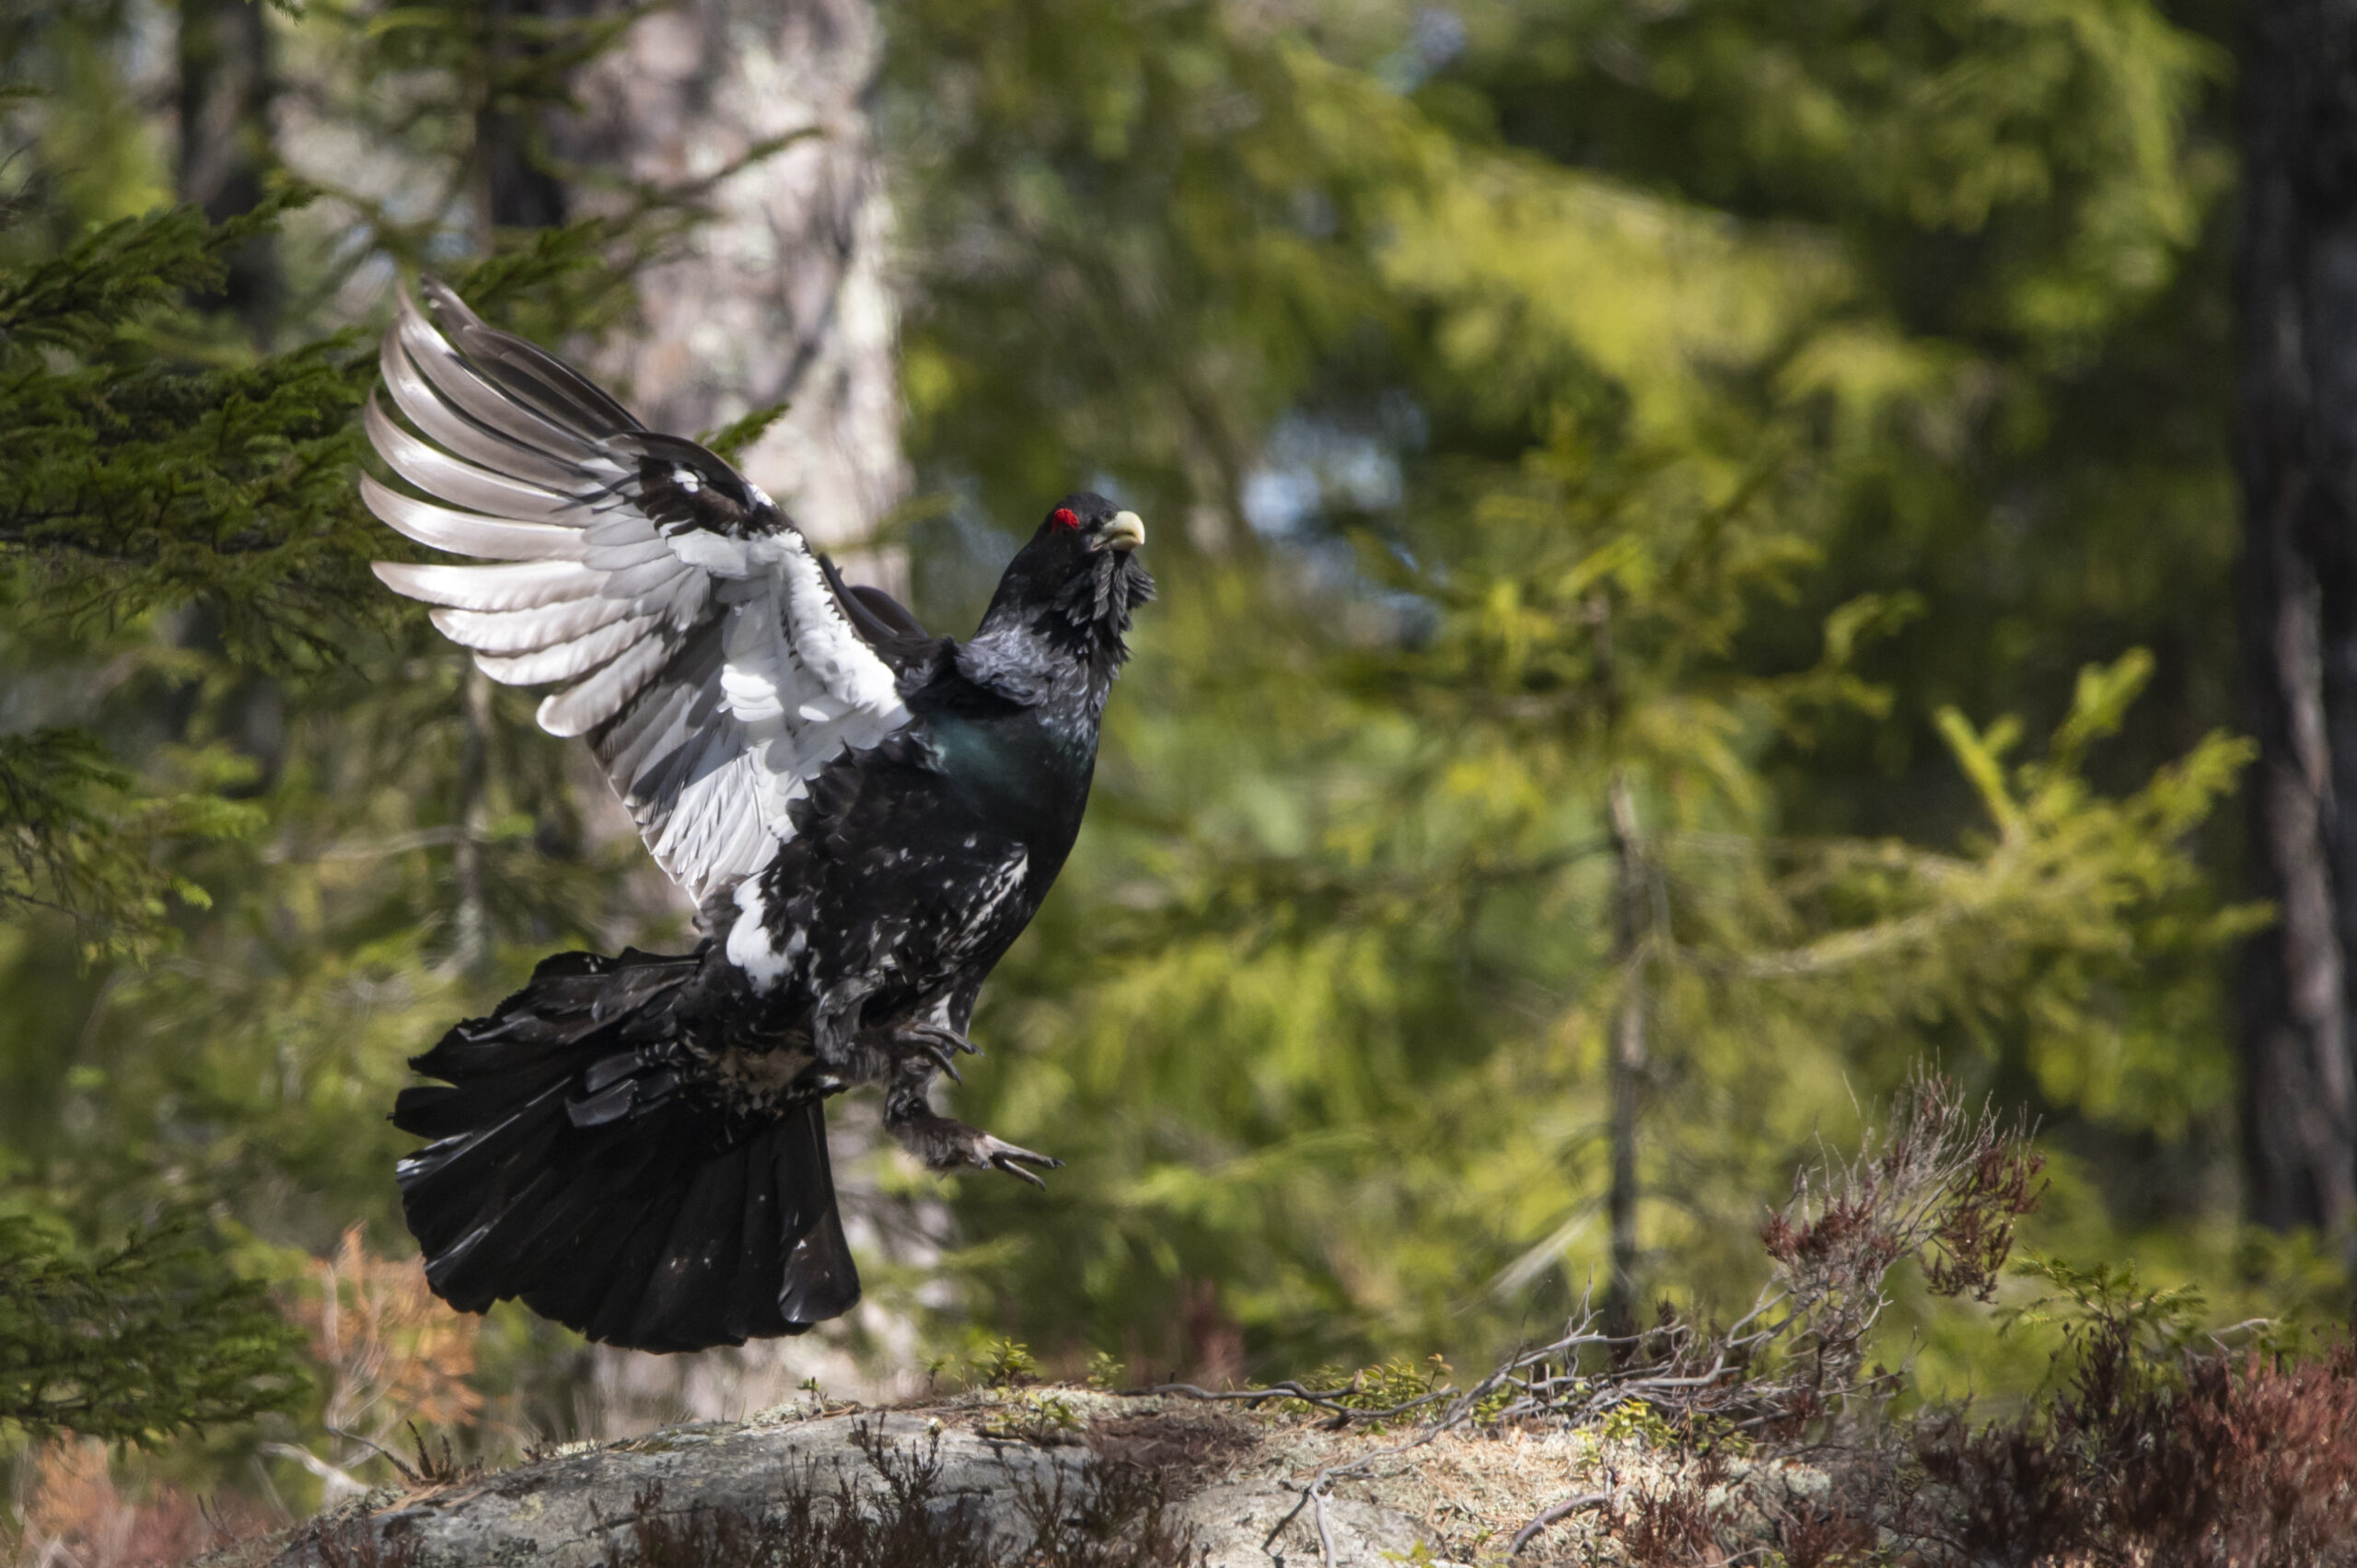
(138, 478)
(134, 1343)
(1811, 418)
(1787, 410)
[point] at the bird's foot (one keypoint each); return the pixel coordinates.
(995, 1153)
(946, 1145)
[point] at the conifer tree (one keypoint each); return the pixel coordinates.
(260, 842)
(134, 483)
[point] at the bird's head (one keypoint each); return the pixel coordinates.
(1078, 578)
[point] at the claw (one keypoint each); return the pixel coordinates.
(998, 1154)
(941, 1045)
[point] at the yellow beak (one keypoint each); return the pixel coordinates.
(1125, 532)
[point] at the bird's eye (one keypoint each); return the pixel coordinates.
(1065, 518)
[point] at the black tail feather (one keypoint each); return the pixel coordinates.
(572, 1168)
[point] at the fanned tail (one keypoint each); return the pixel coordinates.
(568, 1167)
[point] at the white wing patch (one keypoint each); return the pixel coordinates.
(714, 672)
(764, 955)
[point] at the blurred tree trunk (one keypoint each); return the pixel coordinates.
(1627, 1065)
(224, 142)
(514, 186)
(227, 149)
(782, 297)
(779, 297)
(2297, 453)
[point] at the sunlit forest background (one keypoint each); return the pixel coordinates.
(1698, 548)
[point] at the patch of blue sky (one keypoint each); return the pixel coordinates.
(1434, 40)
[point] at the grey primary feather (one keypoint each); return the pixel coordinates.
(463, 483)
(494, 633)
(524, 586)
(440, 422)
(563, 660)
(603, 697)
(496, 412)
(467, 533)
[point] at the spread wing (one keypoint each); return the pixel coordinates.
(713, 660)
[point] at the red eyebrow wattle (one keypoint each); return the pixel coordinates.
(1065, 518)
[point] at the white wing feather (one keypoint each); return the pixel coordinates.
(714, 675)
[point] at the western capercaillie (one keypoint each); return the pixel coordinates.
(866, 817)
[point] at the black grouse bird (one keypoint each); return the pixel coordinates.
(866, 817)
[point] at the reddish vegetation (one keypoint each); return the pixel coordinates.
(2217, 1458)
(2157, 1445)
(75, 1513)
(1945, 1187)
(395, 1356)
(2144, 1458)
